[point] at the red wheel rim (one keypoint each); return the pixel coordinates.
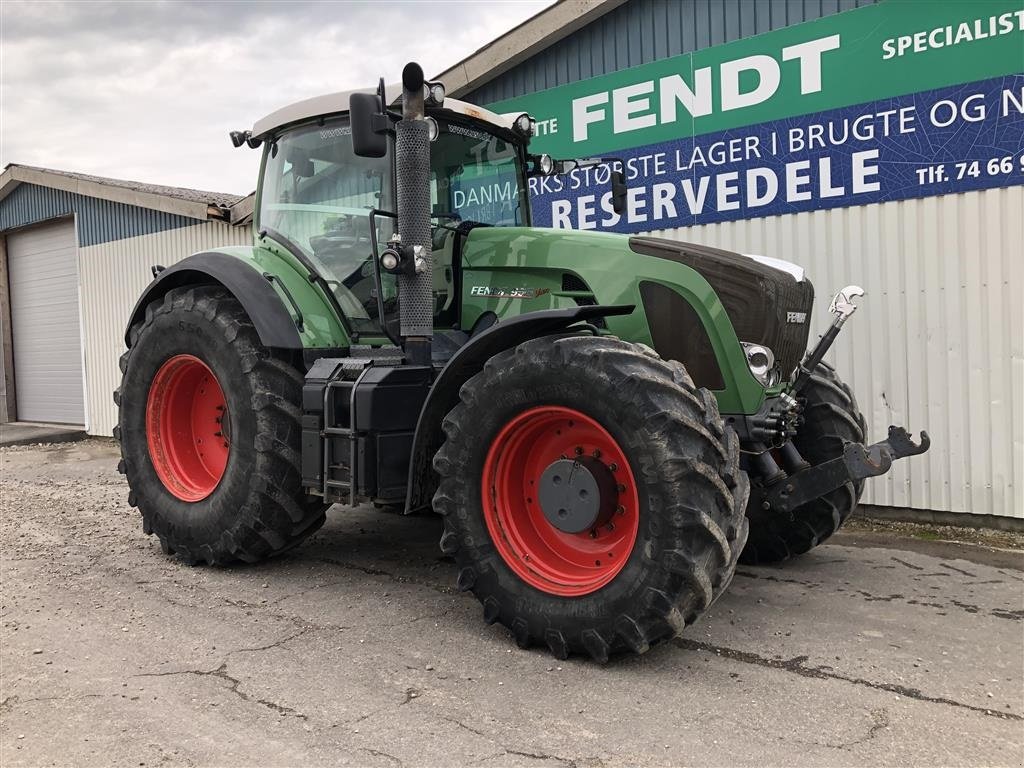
(185, 428)
(549, 559)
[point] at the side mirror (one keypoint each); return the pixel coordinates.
(369, 125)
(618, 191)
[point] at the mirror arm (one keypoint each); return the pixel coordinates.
(382, 123)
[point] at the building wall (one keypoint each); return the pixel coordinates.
(642, 31)
(937, 343)
(113, 275)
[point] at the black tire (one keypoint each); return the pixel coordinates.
(830, 416)
(258, 508)
(692, 493)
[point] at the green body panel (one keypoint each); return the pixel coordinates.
(529, 264)
(321, 328)
(514, 270)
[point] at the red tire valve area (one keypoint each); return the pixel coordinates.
(549, 515)
(185, 411)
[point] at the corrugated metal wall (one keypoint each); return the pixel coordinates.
(642, 31)
(113, 276)
(939, 341)
(98, 220)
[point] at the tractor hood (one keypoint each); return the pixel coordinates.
(766, 304)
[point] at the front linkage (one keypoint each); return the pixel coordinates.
(797, 482)
(856, 463)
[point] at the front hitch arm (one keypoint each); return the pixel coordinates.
(856, 463)
(842, 307)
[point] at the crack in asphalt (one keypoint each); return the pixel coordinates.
(542, 756)
(949, 567)
(999, 613)
(505, 751)
(796, 666)
(911, 566)
(381, 753)
(234, 682)
(880, 721)
(233, 686)
(369, 571)
(778, 579)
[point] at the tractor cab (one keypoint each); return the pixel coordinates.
(318, 195)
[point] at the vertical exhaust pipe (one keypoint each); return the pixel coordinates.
(412, 160)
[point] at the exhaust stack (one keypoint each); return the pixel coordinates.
(412, 149)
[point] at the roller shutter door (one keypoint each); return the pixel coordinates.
(43, 274)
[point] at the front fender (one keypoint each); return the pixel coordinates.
(468, 361)
(287, 311)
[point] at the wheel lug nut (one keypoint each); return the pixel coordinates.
(613, 467)
(620, 488)
(597, 453)
(593, 533)
(579, 451)
(620, 510)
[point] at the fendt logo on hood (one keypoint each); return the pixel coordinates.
(493, 292)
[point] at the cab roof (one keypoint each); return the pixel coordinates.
(333, 104)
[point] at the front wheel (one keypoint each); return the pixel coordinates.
(831, 418)
(209, 431)
(592, 497)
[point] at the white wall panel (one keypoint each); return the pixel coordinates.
(939, 341)
(113, 276)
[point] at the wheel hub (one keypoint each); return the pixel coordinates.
(560, 501)
(187, 428)
(577, 495)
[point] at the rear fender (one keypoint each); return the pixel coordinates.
(286, 309)
(467, 362)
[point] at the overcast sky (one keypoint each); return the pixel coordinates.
(149, 90)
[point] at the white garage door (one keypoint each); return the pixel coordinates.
(43, 275)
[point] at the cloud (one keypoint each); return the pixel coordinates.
(149, 90)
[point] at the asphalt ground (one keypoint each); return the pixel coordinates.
(355, 649)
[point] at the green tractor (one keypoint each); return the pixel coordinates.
(607, 424)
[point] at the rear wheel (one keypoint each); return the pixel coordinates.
(591, 495)
(830, 419)
(209, 432)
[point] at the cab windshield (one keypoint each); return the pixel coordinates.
(475, 176)
(317, 193)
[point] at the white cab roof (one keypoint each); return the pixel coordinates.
(337, 103)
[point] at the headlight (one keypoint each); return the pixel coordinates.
(432, 129)
(761, 362)
(435, 92)
(525, 124)
(389, 260)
